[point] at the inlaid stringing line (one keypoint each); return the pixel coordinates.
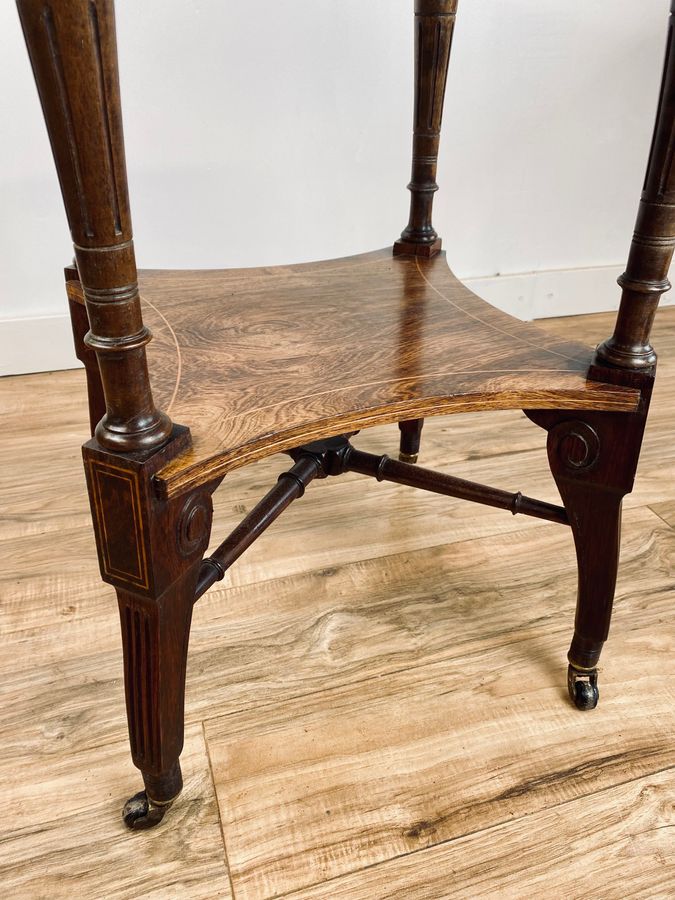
(489, 325)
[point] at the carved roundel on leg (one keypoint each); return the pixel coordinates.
(194, 524)
(576, 445)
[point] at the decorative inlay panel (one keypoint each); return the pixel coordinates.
(119, 523)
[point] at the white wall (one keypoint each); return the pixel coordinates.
(280, 132)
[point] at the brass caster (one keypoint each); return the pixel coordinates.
(407, 457)
(582, 685)
(140, 812)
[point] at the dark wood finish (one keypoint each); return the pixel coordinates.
(434, 26)
(299, 358)
(150, 550)
(80, 325)
(263, 360)
(651, 252)
(411, 436)
(593, 458)
(334, 457)
(385, 469)
(289, 487)
(74, 57)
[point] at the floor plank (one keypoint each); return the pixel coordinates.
(437, 756)
(65, 837)
(666, 511)
(614, 844)
(394, 658)
(296, 635)
(346, 777)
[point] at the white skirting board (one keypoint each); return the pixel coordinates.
(44, 343)
(36, 344)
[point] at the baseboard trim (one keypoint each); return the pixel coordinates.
(36, 344)
(554, 292)
(45, 343)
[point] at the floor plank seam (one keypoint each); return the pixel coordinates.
(220, 819)
(665, 521)
(353, 755)
(471, 833)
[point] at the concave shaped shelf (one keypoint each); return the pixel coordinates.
(255, 361)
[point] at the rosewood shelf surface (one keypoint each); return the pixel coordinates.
(256, 361)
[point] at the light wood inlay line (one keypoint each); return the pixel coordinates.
(179, 358)
(126, 476)
(367, 710)
(321, 677)
(257, 360)
(489, 325)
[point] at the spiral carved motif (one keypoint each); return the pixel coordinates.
(576, 444)
(194, 524)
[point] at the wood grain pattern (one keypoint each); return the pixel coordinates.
(333, 615)
(330, 792)
(578, 849)
(348, 774)
(260, 360)
(666, 511)
(66, 838)
(312, 634)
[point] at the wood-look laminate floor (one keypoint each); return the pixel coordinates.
(376, 702)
